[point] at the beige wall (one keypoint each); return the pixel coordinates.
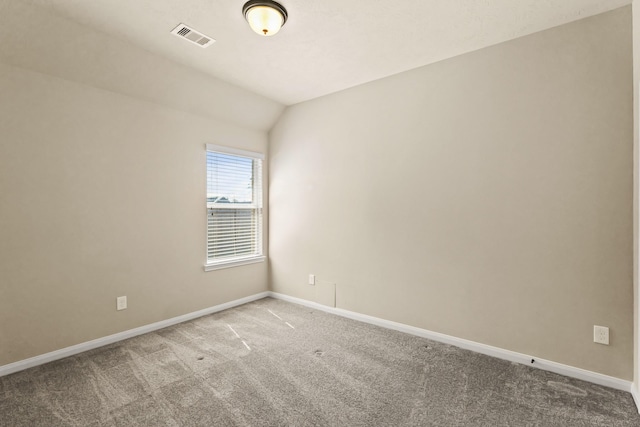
(102, 183)
(488, 197)
(636, 198)
(102, 195)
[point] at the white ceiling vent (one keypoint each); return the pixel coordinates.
(192, 35)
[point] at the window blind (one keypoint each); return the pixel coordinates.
(234, 205)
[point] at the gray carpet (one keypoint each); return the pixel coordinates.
(271, 363)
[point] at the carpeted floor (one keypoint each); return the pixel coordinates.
(272, 363)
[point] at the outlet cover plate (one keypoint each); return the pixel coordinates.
(601, 335)
(121, 303)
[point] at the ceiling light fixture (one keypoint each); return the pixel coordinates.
(264, 17)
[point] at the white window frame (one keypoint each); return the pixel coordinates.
(239, 260)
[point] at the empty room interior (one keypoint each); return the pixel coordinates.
(336, 213)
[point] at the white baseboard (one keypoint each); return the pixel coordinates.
(636, 395)
(89, 345)
(500, 353)
(497, 352)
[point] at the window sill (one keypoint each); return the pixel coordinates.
(233, 263)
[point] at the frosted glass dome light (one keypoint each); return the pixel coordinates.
(264, 17)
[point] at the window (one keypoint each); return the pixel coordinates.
(234, 207)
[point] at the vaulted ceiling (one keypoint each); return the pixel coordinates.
(327, 45)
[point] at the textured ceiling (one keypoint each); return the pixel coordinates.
(327, 45)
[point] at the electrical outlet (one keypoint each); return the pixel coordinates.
(601, 335)
(312, 279)
(121, 303)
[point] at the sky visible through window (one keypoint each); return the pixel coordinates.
(229, 178)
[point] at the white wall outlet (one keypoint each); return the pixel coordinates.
(601, 334)
(312, 279)
(121, 303)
